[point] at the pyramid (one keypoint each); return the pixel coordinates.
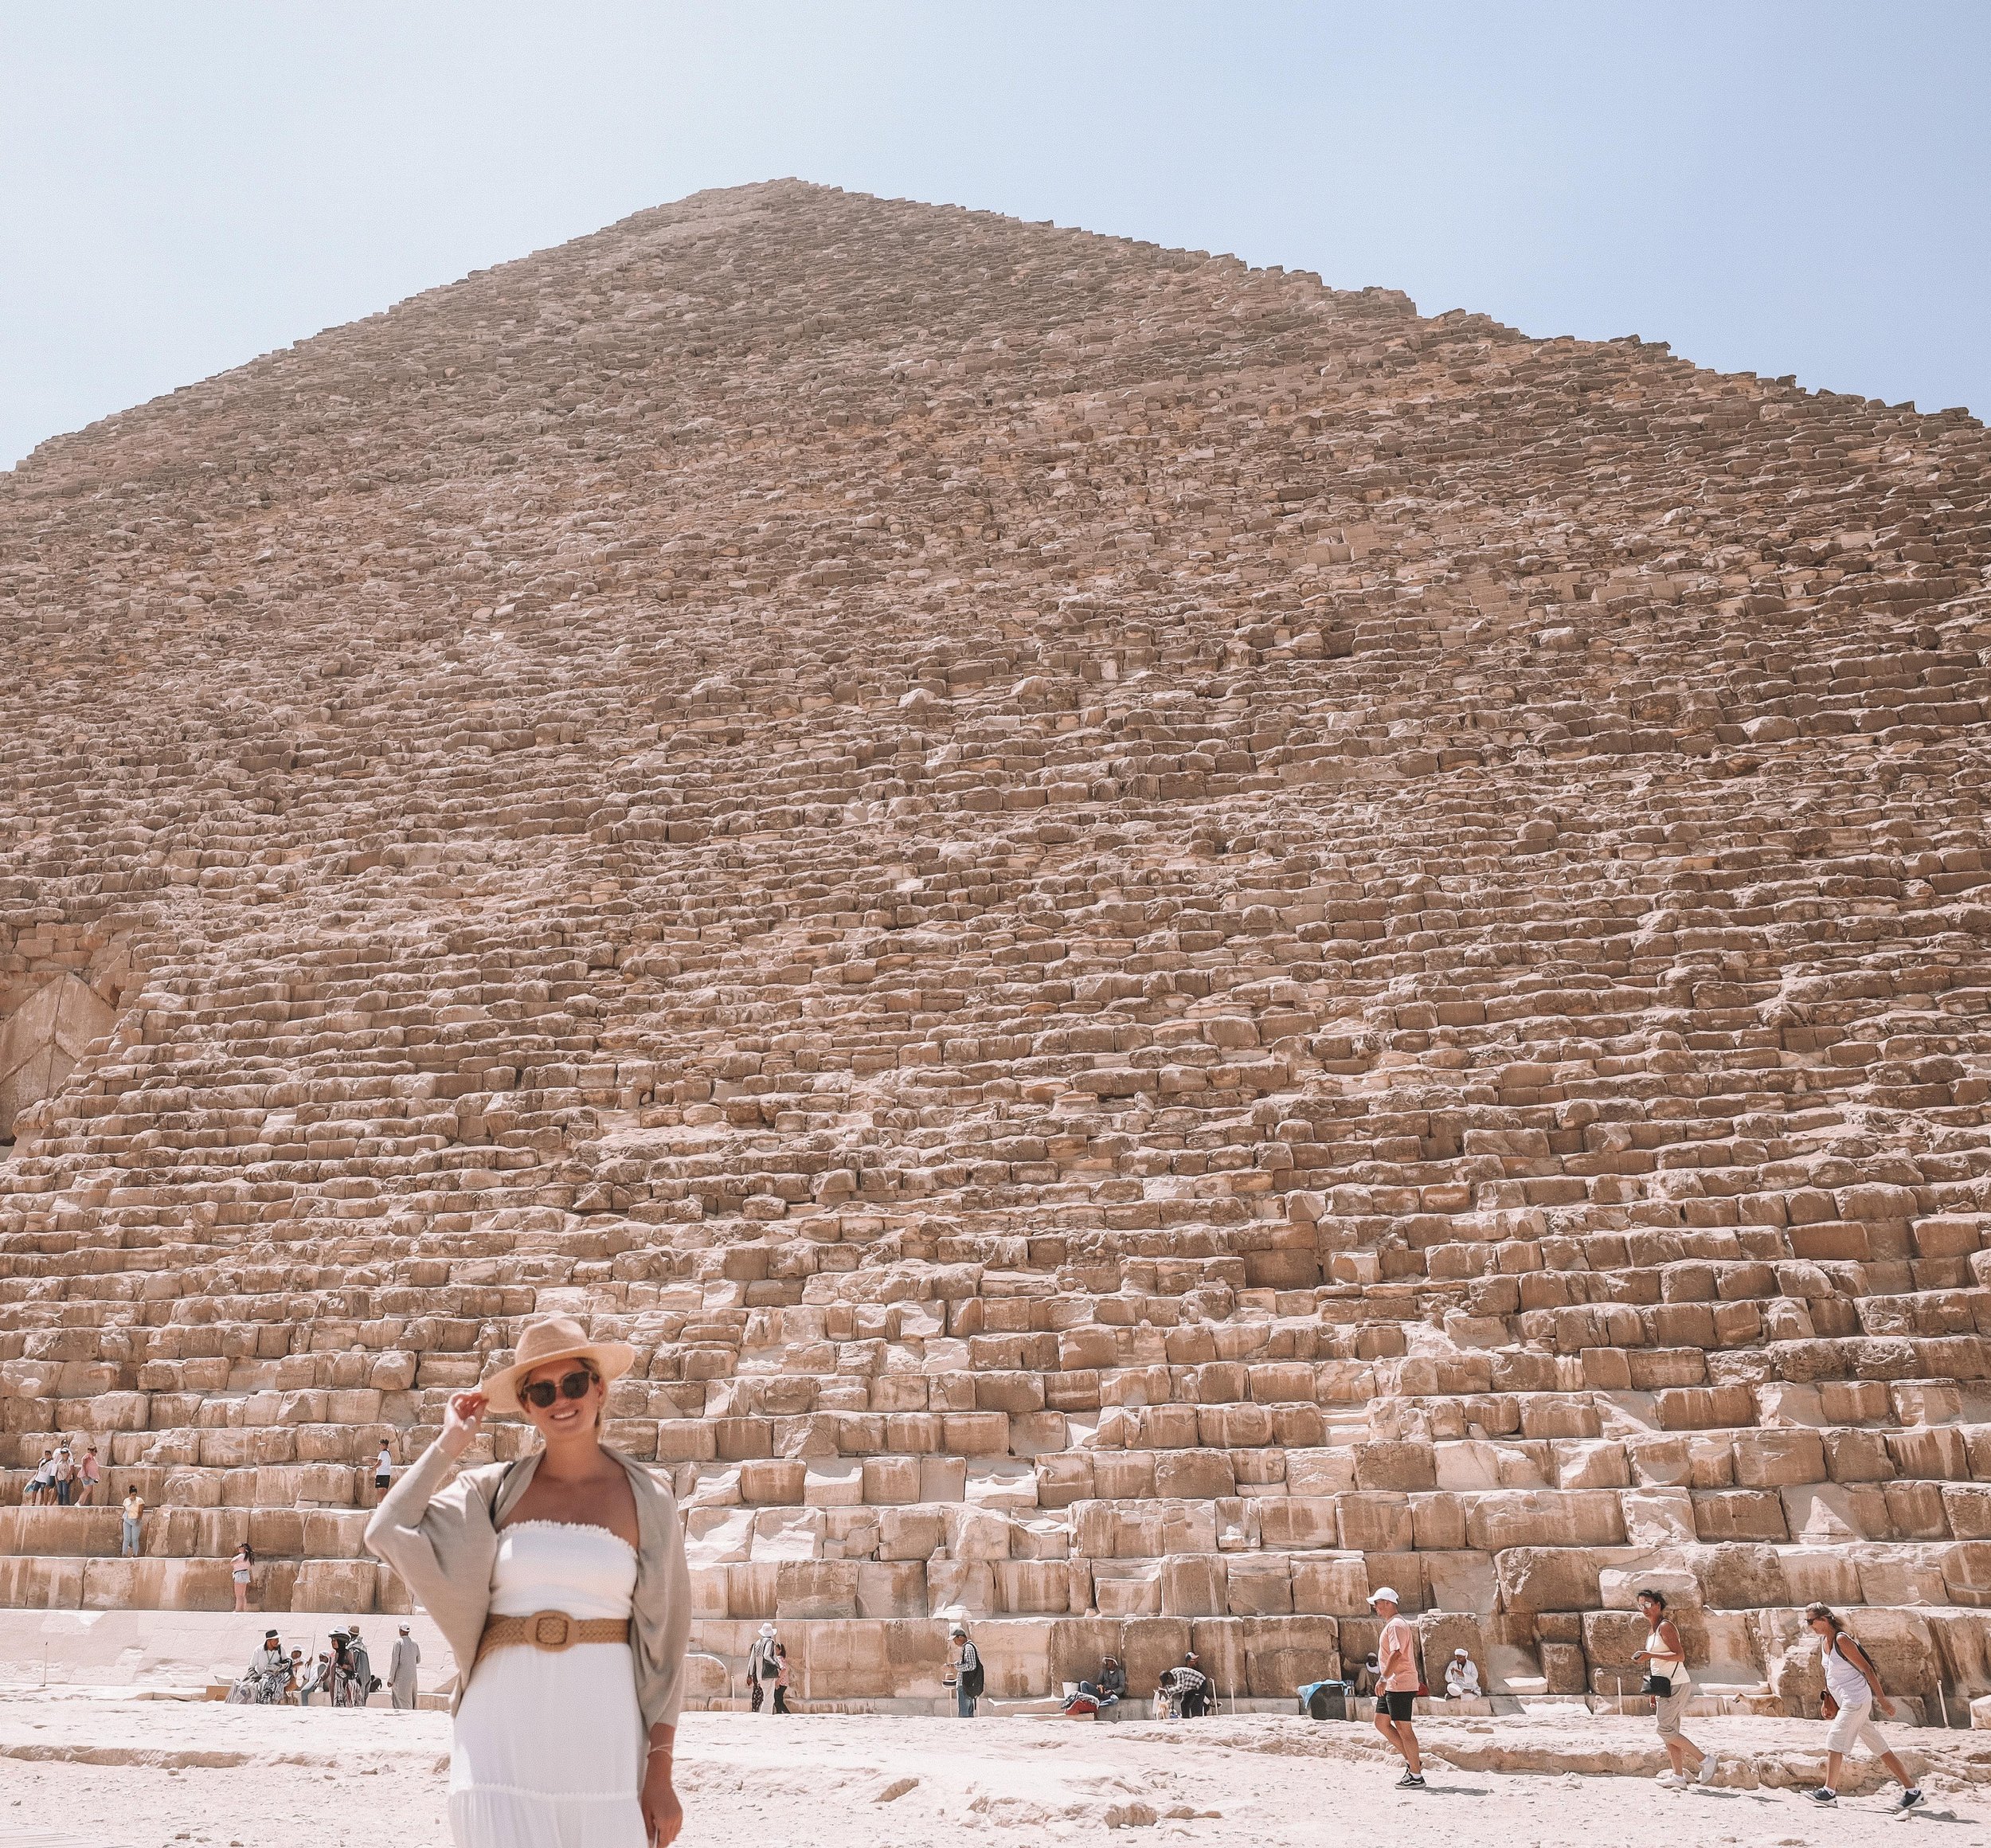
(1174, 943)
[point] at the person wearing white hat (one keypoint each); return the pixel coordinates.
(560, 1584)
(400, 1671)
(1461, 1677)
(1396, 1685)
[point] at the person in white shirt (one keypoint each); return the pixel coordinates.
(1853, 1691)
(383, 1471)
(1461, 1677)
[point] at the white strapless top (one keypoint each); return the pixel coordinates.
(556, 1565)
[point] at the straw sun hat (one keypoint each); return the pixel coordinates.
(555, 1338)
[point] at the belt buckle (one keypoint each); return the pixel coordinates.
(550, 1630)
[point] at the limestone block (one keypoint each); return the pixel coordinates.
(1529, 1518)
(1818, 1513)
(1395, 1466)
(911, 1533)
(1280, 1653)
(943, 1478)
(1149, 1646)
(1618, 1587)
(718, 1536)
(1547, 1579)
(1438, 1522)
(1373, 1523)
(334, 1585)
(1659, 1518)
(977, 1534)
(1967, 1509)
(1259, 1585)
(1338, 1585)
(1319, 1472)
(42, 1040)
(1455, 1581)
(1900, 1576)
(1774, 1459)
(1818, 1574)
(750, 1588)
(783, 1534)
(1032, 1587)
(1742, 1514)
(1005, 1486)
(1124, 1588)
(1741, 1577)
(1299, 1521)
(1194, 1475)
(815, 1588)
(1592, 1463)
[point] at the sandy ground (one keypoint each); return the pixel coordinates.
(91, 1766)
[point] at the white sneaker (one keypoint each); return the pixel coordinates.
(1671, 1780)
(1709, 1765)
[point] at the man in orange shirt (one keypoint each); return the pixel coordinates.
(1396, 1685)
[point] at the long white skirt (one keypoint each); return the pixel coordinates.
(549, 1752)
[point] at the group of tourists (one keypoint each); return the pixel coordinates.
(342, 1676)
(1852, 1694)
(62, 1479)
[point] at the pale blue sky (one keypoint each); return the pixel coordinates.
(1797, 188)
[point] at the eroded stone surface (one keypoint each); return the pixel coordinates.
(1174, 944)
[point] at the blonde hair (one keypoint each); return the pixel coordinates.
(1813, 1612)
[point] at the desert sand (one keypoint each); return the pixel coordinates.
(113, 1771)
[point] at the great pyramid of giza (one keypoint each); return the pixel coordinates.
(1173, 942)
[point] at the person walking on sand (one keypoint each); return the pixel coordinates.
(361, 1664)
(238, 1569)
(132, 1511)
(401, 1670)
(968, 1677)
(1671, 1686)
(560, 1582)
(1853, 1691)
(781, 1678)
(1396, 1685)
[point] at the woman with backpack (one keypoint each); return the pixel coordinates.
(1853, 1691)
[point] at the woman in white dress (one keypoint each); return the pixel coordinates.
(561, 1585)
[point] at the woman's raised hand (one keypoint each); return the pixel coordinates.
(462, 1422)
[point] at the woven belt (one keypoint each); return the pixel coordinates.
(552, 1631)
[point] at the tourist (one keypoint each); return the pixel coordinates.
(132, 1510)
(1461, 1677)
(968, 1678)
(565, 1725)
(238, 1569)
(763, 1670)
(1853, 1691)
(340, 1681)
(89, 1472)
(62, 1472)
(1194, 1685)
(359, 1665)
(1397, 1683)
(1671, 1686)
(401, 1670)
(383, 1471)
(318, 1681)
(41, 1490)
(781, 1678)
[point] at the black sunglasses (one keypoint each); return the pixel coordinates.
(574, 1385)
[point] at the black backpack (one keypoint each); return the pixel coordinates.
(971, 1675)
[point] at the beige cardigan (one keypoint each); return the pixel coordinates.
(443, 1540)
